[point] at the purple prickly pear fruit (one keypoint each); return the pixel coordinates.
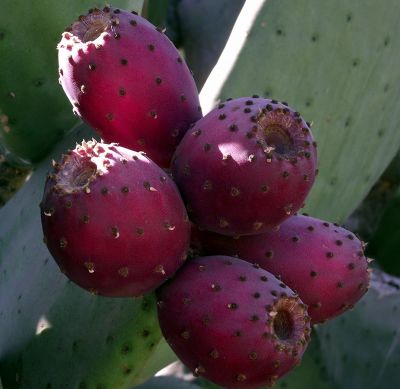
(127, 80)
(323, 262)
(233, 322)
(246, 166)
(113, 220)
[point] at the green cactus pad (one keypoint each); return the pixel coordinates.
(369, 216)
(54, 334)
(384, 244)
(337, 63)
(166, 383)
(34, 112)
(204, 28)
(155, 11)
(361, 349)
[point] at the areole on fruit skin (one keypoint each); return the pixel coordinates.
(233, 322)
(246, 166)
(127, 80)
(113, 220)
(323, 262)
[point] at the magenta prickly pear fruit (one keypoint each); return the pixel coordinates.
(323, 262)
(113, 220)
(233, 322)
(246, 166)
(127, 80)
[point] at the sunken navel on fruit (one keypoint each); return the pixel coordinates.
(89, 27)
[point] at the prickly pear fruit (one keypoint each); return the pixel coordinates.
(246, 166)
(113, 220)
(232, 322)
(127, 80)
(323, 262)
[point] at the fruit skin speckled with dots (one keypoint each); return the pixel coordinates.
(246, 166)
(323, 262)
(232, 322)
(113, 220)
(127, 80)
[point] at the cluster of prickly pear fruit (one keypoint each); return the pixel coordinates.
(118, 225)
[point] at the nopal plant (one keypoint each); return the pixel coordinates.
(120, 227)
